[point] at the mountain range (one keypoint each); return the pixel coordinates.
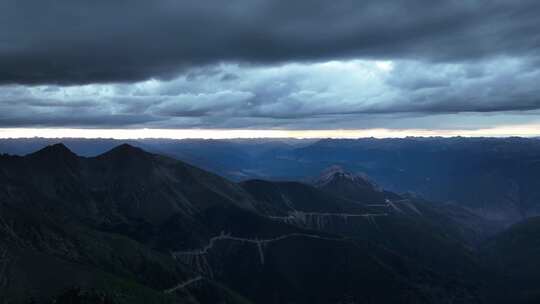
(495, 178)
(129, 226)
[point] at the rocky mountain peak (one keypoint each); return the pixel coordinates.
(338, 174)
(126, 151)
(57, 151)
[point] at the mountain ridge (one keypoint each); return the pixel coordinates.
(134, 216)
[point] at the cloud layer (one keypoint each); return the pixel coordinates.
(258, 64)
(78, 41)
(335, 94)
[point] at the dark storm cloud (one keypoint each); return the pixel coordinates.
(76, 41)
(75, 120)
(305, 64)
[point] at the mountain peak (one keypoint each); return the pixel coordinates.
(357, 187)
(127, 148)
(336, 176)
(337, 172)
(55, 150)
(126, 151)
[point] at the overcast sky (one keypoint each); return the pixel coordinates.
(427, 65)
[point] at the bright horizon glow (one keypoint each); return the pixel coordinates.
(500, 131)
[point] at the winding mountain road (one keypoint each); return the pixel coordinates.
(197, 257)
(184, 284)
